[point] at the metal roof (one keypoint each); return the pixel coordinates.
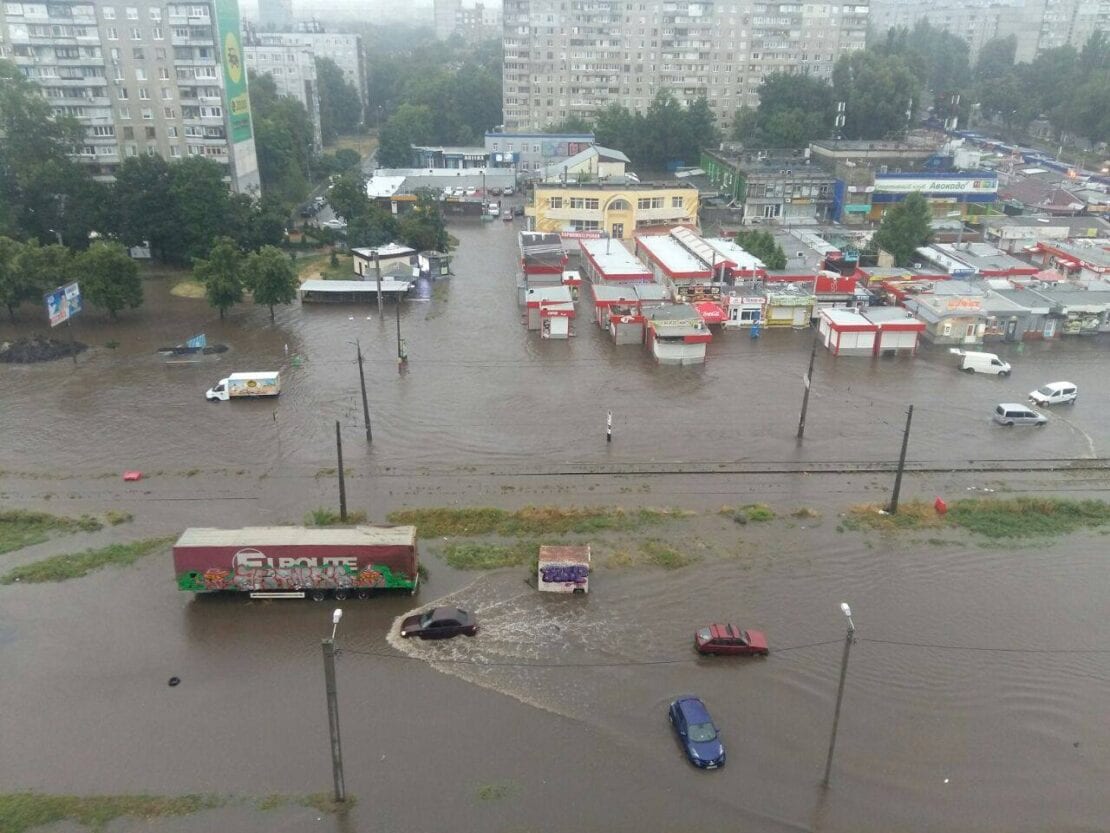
(610, 257)
(672, 257)
(278, 536)
(369, 287)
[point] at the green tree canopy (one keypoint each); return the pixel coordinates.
(878, 90)
(794, 110)
(340, 108)
(283, 140)
(762, 244)
(348, 197)
(423, 227)
(270, 277)
(996, 58)
(905, 227)
(666, 133)
(197, 187)
(109, 278)
(16, 284)
(410, 125)
(222, 274)
(146, 208)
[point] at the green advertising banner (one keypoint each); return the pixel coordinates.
(235, 72)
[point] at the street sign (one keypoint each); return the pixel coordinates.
(63, 303)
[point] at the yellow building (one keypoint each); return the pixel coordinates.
(616, 209)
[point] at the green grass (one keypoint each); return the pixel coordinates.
(532, 521)
(474, 556)
(912, 514)
(322, 516)
(21, 528)
(20, 812)
(659, 554)
(1028, 517)
(116, 517)
(495, 792)
(78, 564)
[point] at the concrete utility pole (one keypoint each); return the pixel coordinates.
(365, 404)
(342, 485)
(333, 711)
(609, 426)
(893, 509)
(805, 396)
(400, 348)
(847, 611)
(378, 273)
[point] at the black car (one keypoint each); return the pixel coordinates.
(440, 623)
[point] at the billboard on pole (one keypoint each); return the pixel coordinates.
(63, 303)
(235, 71)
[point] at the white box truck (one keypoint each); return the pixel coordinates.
(245, 386)
(973, 362)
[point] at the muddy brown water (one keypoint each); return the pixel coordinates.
(936, 735)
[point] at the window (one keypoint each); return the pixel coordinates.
(136, 33)
(130, 150)
(108, 13)
(157, 32)
(555, 202)
(148, 114)
(129, 132)
(144, 94)
(122, 94)
(150, 134)
(103, 130)
(676, 202)
(167, 94)
(163, 74)
(175, 151)
(155, 14)
(169, 112)
(111, 34)
(171, 131)
(140, 74)
(137, 53)
(132, 13)
(124, 112)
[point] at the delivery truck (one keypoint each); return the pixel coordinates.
(245, 386)
(273, 562)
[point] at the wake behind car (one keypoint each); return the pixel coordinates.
(731, 640)
(439, 623)
(1055, 393)
(701, 742)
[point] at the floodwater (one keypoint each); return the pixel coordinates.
(976, 694)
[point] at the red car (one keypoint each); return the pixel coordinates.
(729, 639)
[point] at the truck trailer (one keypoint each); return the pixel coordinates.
(295, 562)
(246, 386)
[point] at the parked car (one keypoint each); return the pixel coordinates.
(729, 639)
(508, 191)
(308, 210)
(507, 215)
(494, 191)
(1011, 414)
(1055, 393)
(701, 742)
(972, 361)
(518, 210)
(335, 224)
(440, 623)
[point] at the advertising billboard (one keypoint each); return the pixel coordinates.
(63, 303)
(235, 71)
(932, 185)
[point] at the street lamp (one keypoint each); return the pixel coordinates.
(333, 709)
(847, 611)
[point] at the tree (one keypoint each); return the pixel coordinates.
(256, 223)
(373, 227)
(996, 59)
(197, 187)
(423, 227)
(270, 277)
(879, 91)
(348, 197)
(109, 278)
(571, 124)
(44, 268)
(410, 125)
(793, 111)
(340, 109)
(283, 140)
(222, 274)
(16, 286)
(762, 244)
(905, 227)
(146, 209)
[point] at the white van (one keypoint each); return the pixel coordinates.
(1055, 393)
(972, 362)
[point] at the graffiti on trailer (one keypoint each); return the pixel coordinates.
(252, 571)
(565, 572)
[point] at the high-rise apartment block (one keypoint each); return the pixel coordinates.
(293, 68)
(1036, 25)
(164, 79)
(568, 58)
(344, 49)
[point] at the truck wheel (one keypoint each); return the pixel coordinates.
(969, 370)
(340, 595)
(1004, 373)
(363, 594)
(319, 595)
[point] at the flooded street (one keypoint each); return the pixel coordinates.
(976, 696)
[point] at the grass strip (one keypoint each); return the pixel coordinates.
(1023, 517)
(78, 564)
(531, 521)
(20, 812)
(21, 528)
(322, 516)
(464, 555)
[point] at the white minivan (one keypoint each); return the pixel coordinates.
(1055, 393)
(1013, 413)
(973, 362)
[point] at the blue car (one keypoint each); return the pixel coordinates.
(696, 732)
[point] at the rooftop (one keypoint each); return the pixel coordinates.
(613, 260)
(613, 186)
(278, 536)
(670, 255)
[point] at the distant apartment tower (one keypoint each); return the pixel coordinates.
(344, 49)
(446, 14)
(566, 59)
(293, 69)
(472, 23)
(275, 14)
(159, 79)
(976, 21)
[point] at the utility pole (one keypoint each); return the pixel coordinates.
(805, 396)
(365, 405)
(378, 273)
(333, 712)
(400, 348)
(840, 690)
(342, 485)
(609, 426)
(901, 463)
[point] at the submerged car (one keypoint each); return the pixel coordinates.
(1055, 393)
(1012, 413)
(729, 639)
(440, 623)
(701, 742)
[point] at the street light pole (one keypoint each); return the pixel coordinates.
(365, 404)
(847, 611)
(333, 709)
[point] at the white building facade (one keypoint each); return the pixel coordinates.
(344, 49)
(162, 79)
(573, 59)
(293, 69)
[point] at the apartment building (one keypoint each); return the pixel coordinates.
(344, 49)
(163, 79)
(574, 58)
(293, 69)
(976, 21)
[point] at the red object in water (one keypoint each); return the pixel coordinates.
(132, 475)
(940, 506)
